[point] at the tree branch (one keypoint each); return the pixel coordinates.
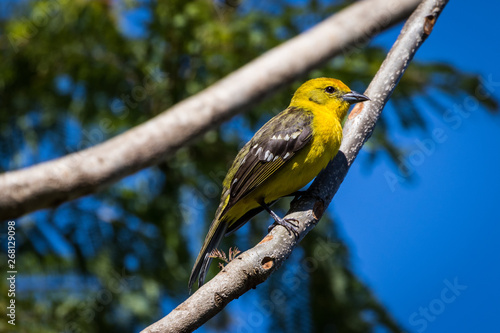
(256, 265)
(54, 182)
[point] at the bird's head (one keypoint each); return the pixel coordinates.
(330, 93)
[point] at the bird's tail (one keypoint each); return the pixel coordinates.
(216, 232)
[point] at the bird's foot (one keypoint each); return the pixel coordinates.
(290, 224)
(221, 255)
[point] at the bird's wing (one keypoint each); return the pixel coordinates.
(271, 148)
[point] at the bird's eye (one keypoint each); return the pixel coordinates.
(330, 89)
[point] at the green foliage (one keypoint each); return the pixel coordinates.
(72, 76)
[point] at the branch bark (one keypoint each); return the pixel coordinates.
(54, 182)
(257, 264)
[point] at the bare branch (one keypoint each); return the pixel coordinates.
(52, 183)
(255, 265)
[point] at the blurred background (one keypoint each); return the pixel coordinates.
(410, 242)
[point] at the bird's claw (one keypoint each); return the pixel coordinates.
(290, 224)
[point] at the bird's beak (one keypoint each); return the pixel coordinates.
(354, 97)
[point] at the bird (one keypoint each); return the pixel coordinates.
(282, 157)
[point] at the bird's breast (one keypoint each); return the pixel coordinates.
(307, 163)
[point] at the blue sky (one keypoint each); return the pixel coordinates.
(410, 240)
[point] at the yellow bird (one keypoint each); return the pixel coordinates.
(282, 157)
